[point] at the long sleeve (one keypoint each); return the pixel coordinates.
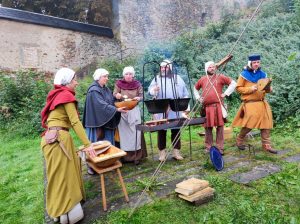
(150, 89)
(185, 92)
(230, 88)
(116, 90)
(140, 92)
(196, 93)
(76, 124)
(240, 87)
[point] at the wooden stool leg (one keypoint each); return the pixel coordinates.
(123, 185)
(103, 192)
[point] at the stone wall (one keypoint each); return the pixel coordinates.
(141, 22)
(136, 24)
(44, 48)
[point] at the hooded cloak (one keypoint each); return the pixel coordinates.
(99, 109)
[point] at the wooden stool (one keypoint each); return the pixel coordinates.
(101, 171)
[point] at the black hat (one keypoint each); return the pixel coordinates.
(254, 57)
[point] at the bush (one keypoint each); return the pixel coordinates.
(23, 94)
(21, 99)
(275, 38)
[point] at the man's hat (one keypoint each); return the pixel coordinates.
(254, 57)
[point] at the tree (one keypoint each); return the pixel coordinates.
(97, 12)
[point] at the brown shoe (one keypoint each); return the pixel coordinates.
(268, 148)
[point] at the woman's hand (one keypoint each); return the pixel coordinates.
(137, 98)
(118, 96)
(90, 150)
(122, 109)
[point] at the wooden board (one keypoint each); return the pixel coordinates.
(113, 153)
(156, 122)
(199, 195)
(191, 183)
(190, 186)
(172, 123)
(98, 145)
(204, 200)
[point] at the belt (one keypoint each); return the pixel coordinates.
(211, 105)
(252, 101)
(58, 128)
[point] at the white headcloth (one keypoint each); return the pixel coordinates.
(100, 72)
(207, 64)
(166, 62)
(63, 76)
(128, 69)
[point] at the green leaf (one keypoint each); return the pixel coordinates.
(292, 56)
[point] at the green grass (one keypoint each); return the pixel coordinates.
(21, 183)
(274, 199)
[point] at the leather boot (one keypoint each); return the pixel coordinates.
(240, 143)
(176, 154)
(162, 155)
(268, 148)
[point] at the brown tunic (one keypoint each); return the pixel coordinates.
(254, 112)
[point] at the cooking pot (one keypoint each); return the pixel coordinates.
(180, 104)
(157, 106)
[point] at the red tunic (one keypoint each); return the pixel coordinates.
(212, 106)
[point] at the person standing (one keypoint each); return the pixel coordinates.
(161, 88)
(100, 117)
(65, 188)
(254, 112)
(212, 99)
(131, 140)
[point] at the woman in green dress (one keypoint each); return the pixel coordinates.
(64, 181)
